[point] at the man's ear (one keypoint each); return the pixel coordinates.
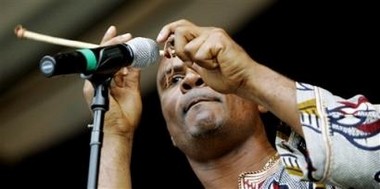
(262, 109)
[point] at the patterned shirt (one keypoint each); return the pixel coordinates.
(340, 148)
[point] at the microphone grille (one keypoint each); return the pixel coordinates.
(145, 52)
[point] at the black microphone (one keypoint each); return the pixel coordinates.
(139, 52)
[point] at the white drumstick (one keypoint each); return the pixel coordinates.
(22, 33)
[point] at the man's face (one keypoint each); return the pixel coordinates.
(196, 115)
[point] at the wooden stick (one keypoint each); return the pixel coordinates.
(22, 33)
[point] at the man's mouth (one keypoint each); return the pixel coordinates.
(198, 100)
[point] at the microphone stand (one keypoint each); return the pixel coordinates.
(100, 80)
(100, 104)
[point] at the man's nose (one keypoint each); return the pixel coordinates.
(191, 80)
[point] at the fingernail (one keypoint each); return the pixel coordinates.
(126, 36)
(124, 71)
(109, 30)
(159, 37)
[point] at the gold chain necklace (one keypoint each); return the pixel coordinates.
(260, 175)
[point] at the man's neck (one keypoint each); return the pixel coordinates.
(224, 172)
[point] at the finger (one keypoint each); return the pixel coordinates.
(118, 39)
(182, 37)
(201, 70)
(110, 33)
(169, 47)
(170, 29)
(207, 55)
(201, 52)
(127, 77)
(118, 78)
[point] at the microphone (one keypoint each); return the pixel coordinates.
(138, 52)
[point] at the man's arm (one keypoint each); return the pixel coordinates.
(227, 68)
(120, 122)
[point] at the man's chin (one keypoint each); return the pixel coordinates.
(203, 123)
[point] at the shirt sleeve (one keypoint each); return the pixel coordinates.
(341, 144)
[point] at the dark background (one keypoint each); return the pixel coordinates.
(327, 43)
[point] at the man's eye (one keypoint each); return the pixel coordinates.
(172, 80)
(175, 79)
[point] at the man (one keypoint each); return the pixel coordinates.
(212, 93)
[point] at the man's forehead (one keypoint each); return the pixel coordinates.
(168, 63)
